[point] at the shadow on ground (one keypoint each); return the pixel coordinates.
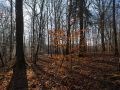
(18, 80)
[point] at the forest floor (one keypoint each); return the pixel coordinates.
(70, 73)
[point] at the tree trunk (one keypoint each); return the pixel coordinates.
(2, 60)
(33, 28)
(68, 31)
(11, 33)
(40, 27)
(19, 78)
(114, 29)
(20, 60)
(102, 31)
(82, 38)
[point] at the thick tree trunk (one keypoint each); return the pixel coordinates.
(19, 78)
(20, 60)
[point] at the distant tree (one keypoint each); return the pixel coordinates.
(103, 12)
(40, 34)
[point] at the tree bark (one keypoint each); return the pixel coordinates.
(20, 60)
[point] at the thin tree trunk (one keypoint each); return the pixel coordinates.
(81, 46)
(114, 29)
(102, 31)
(68, 31)
(2, 60)
(33, 28)
(11, 34)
